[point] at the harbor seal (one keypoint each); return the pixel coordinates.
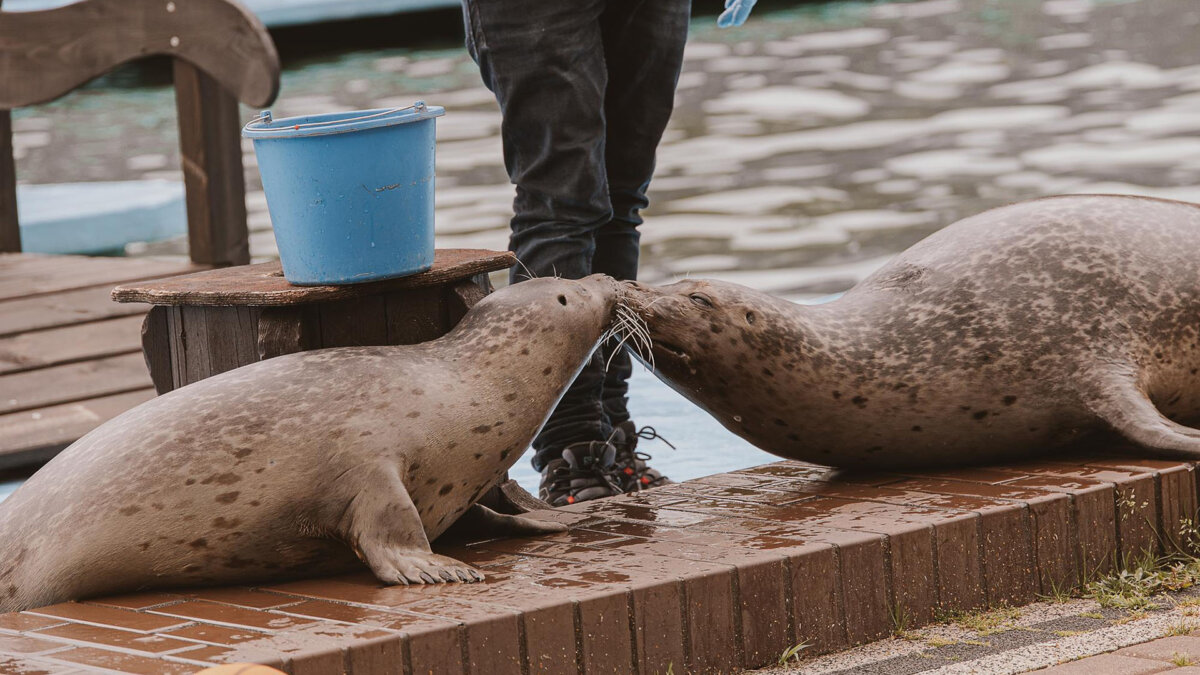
(1020, 329)
(296, 465)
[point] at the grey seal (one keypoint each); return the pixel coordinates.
(1024, 328)
(304, 464)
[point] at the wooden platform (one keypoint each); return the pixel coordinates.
(708, 576)
(209, 322)
(263, 285)
(70, 357)
(281, 13)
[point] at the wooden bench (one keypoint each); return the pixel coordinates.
(207, 323)
(69, 356)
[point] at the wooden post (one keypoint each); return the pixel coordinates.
(10, 230)
(210, 142)
(156, 348)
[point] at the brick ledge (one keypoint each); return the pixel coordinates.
(711, 575)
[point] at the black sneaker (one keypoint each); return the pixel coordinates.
(586, 471)
(633, 471)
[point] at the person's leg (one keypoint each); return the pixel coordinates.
(545, 63)
(643, 43)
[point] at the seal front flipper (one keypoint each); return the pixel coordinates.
(482, 519)
(1131, 413)
(382, 525)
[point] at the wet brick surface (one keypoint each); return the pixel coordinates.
(711, 575)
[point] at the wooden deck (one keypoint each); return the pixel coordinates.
(70, 357)
(281, 13)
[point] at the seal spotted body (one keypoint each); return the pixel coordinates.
(283, 468)
(1016, 330)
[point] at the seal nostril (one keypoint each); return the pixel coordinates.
(562, 300)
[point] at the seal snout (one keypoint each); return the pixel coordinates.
(636, 295)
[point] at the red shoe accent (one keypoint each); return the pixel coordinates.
(628, 471)
(645, 480)
(570, 500)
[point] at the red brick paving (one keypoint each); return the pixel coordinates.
(1157, 656)
(712, 575)
(1109, 664)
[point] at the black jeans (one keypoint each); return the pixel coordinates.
(585, 88)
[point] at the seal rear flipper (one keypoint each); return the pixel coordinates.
(480, 518)
(1131, 413)
(383, 526)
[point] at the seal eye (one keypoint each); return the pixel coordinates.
(700, 300)
(750, 318)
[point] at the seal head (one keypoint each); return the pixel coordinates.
(738, 353)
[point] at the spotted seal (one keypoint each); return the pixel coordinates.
(296, 465)
(1020, 329)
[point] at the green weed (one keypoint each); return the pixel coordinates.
(792, 653)
(1181, 660)
(984, 622)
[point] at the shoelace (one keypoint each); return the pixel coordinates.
(640, 477)
(630, 469)
(649, 433)
(563, 476)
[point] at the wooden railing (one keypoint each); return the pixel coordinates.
(222, 54)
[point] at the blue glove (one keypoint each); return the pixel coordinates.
(735, 13)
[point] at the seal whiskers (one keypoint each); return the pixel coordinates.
(629, 326)
(644, 348)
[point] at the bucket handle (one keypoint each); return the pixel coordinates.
(265, 116)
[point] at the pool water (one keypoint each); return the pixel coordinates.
(703, 446)
(6, 488)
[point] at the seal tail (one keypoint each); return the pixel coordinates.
(1131, 413)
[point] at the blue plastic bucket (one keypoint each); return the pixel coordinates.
(350, 194)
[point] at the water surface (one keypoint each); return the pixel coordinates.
(807, 148)
(7, 487)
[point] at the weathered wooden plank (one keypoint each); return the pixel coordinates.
(73, 382)
(196, 362)
(210, 145)
(73, 343)
(62, 309)
(26, 274)
(178, 343)
(46, 54)
(463, 295)
(10, 229)
(156, 348)
(34, 436)
(247, 334)
(416, 316)
(286, 13)
(354, 323)
(225, 341)
(263, 285)
(286, 330)
(200, 342)
(232, 334)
